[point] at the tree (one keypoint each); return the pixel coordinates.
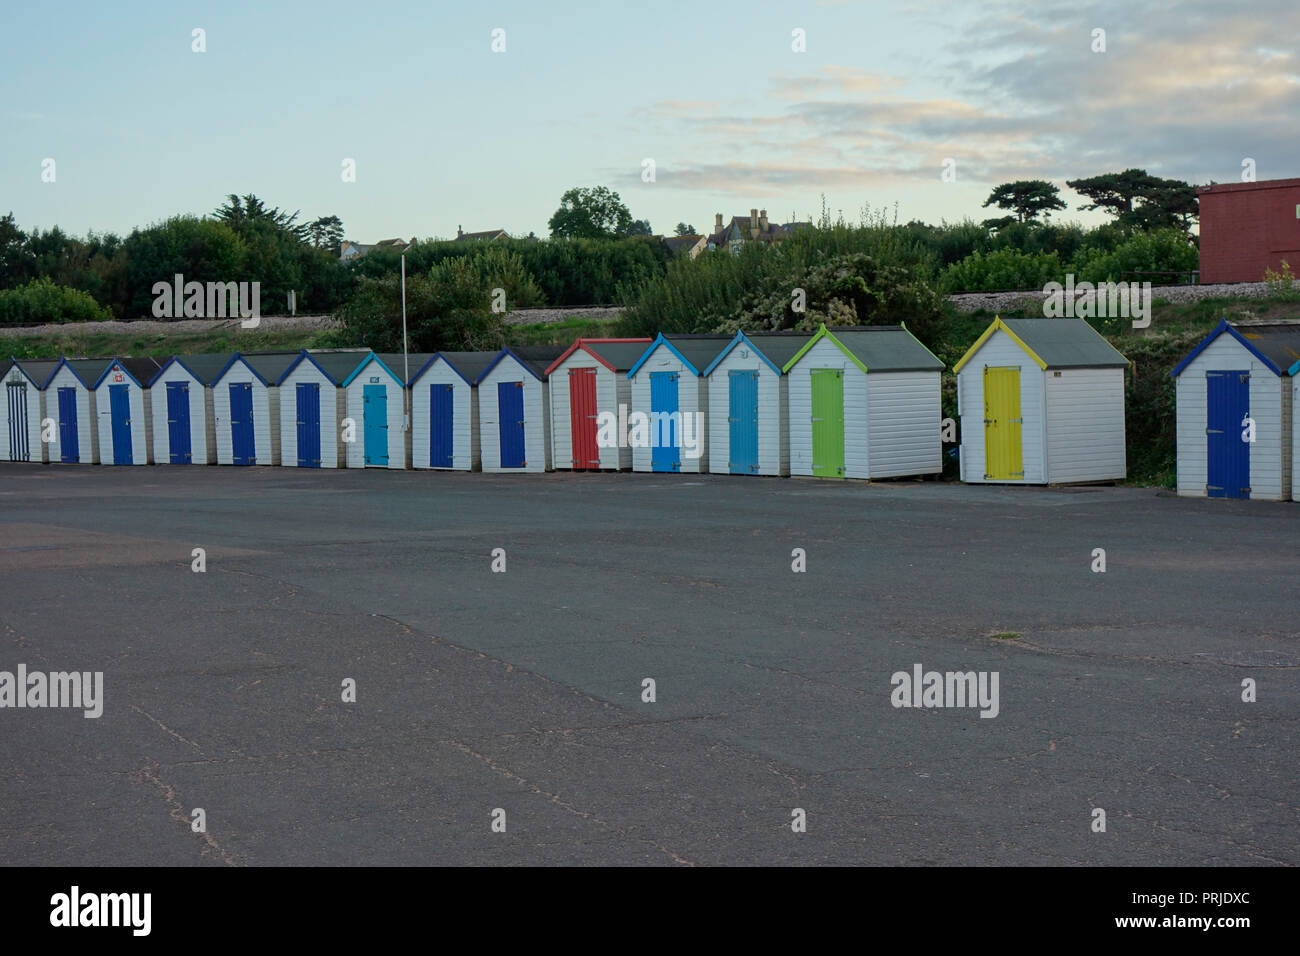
(1113, 192)
(1138, 199)
(326, 233)
(590, 213)
(249, 211)
(639, 227)
(1027, 198)
(684, 230)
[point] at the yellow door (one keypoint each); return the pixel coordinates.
(1002, 448)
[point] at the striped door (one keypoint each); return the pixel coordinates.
(582, 418)
(19, 438)
(442, 399)
(1227, 456)
(742, 422)
(828, 422)
(1003, 447)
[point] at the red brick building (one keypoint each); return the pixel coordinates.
(1247, 228)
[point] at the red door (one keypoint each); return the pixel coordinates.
(582, 418)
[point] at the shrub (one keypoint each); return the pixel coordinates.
(40, 301)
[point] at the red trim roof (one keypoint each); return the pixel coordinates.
(582, 344)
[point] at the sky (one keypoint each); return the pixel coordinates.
(445, 132)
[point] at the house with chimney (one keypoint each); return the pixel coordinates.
(487, 235)
(752, 228)
(349, 250)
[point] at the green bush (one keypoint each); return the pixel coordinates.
(1161, 250)
(1002, 270)
(40, 301)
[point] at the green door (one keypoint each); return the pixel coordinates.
(828, 422)
(1003, 458)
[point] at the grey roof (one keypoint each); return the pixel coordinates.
(271, 366)
(206, 366)
(88, 370)
(469, 364)
(38, 370)
(337, 366)
(621, 355)
(699, 350)
(142, 369)
(538, 357)
(779, 347)
(1066, 343)
(396, 362)
(887, 348)
(1279, 342)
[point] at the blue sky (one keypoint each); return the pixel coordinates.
(445, 132)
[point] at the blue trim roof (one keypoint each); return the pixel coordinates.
(175, 359)
(1222, 327)
(233, 359)
(741, 337)
(500, 355)
(115, 362)
(450, 364)
(372, 357)
(63, 360)
(650, 351)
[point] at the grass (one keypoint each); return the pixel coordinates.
(557, 333)
(157, 345)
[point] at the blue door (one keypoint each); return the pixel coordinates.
(243, 444)
(19, 440)
(119, 404)
(742, 422)
(510, 412)
(442, 399)
(375, 422)
(1227, 395)
(665, 423)
(178, 423)
(69, 449)
(308, 425)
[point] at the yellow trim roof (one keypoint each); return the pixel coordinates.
(997, 325)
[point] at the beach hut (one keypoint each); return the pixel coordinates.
(588, 381)
(375, 401)
(24, 409)
(669, 388)
(1241, 375)
(749, 405)
(514, 409)
(122, 409)
(444, 410)
(70, 402)
(313, 406)
(246, 407)
(864, 403)
(1041, 401)
(181, 399)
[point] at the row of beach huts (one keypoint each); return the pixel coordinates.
(1040, 401)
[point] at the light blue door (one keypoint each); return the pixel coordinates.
(665, 423)
(375, 423)
(742, 422)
